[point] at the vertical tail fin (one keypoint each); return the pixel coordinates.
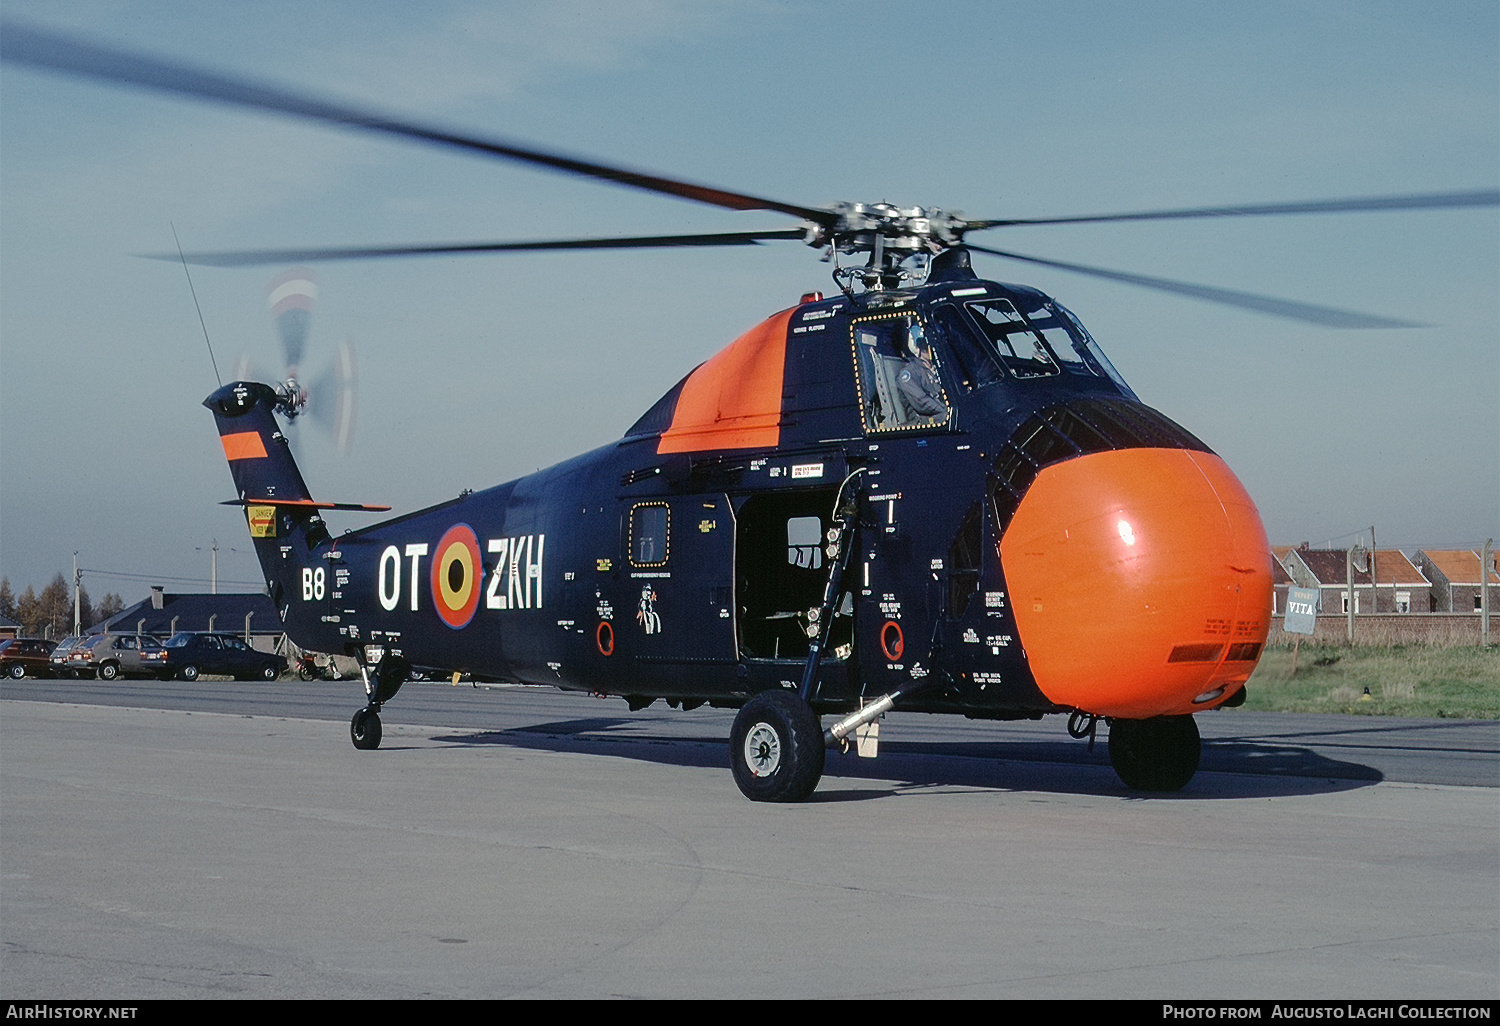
(286, 525)
(284, 522)
(258, 454)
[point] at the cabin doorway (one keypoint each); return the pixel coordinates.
(781, 568)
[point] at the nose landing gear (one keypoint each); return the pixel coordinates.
(1159, 754)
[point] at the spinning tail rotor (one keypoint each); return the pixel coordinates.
(329, 398)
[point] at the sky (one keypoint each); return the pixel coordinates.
(475, 370)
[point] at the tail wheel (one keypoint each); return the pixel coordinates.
(1159, 754)
(364, 730)
(776, 748)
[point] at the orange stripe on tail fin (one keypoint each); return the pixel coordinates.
(244, 445)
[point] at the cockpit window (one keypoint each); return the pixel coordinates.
(1093, 355)
(1073, 345)
(977, 363)
(899, 386)
(1023, 335)
(1017, 343)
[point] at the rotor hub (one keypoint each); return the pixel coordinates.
(890, 235)
(291, 398)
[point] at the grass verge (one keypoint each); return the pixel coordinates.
(1388, 680)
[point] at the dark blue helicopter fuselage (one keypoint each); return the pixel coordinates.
(686, 561)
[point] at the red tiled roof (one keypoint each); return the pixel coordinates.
(1391, 567)
(1460, 566)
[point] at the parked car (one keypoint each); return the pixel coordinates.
(62, 665)
(112, 656)
(191, 654)
(78, 656)
(26, 657)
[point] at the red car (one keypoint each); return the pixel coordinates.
(26, 657)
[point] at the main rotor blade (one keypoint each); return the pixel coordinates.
(250, 258)
(24, 45)
(1326, 316)
(1412, 201)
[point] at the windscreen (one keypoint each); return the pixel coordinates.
(1021, 335)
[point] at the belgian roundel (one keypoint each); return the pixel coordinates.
(455, 576)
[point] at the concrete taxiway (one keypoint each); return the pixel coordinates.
(569, 852)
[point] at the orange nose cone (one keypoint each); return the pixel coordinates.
(1141, 581)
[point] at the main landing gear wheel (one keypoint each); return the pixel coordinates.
(364, 730)
(1159, 754)
(776, 748)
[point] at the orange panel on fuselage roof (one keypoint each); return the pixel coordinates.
(733, 401)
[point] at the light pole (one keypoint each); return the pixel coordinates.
(77, 590)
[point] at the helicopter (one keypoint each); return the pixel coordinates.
(925, 492)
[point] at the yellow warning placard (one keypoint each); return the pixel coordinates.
(262, 521)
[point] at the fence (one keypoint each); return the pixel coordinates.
(1447, 630)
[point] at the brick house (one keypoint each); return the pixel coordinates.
(1397, 586)
(1280, 579)
(1454, 574)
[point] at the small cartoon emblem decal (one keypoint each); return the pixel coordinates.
(646, 613)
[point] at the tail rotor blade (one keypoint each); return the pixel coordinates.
(246, 369)
(331, 399)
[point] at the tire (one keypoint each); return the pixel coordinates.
(776, 748)
(109, 671)
(1159, 754)
(364, 730)
(306, 674)
(16, 671)
(269, 672)
(188, 673)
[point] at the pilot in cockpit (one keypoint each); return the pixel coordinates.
(918, 379)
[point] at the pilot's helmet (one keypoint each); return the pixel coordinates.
(914, 340)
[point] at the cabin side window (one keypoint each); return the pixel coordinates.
(897, 373)
(804, 542)
(650, 534)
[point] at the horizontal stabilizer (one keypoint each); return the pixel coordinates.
(308, 504)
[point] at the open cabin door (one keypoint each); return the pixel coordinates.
(781, 568)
